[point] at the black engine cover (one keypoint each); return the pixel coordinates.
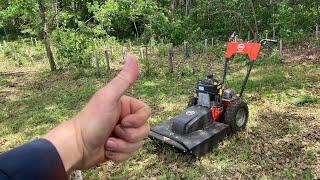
(209, 86)
(192, 131)
(191, 120)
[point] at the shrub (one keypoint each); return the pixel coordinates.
(71, 49)
(163, 50)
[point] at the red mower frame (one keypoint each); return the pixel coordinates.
(251, 49)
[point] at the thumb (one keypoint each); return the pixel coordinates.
(127, 76)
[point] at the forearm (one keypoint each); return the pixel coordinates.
(38, 159)
(65, 139)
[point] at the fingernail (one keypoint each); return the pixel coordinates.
(128, 62)
(111, 145)
(109, 153)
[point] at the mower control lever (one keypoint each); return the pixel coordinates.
(265, 41)
(233, 36)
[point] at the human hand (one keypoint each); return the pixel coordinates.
(111, 126)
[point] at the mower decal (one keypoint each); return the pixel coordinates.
(240, 47)
(251, 49)
(190, 113)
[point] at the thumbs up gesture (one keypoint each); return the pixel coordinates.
(110, 127)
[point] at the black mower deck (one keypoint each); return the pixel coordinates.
(197, 143)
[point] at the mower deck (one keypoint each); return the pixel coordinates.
(197, 143)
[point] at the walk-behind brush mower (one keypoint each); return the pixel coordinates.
(213, 112)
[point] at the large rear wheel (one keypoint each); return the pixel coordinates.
(236, 116)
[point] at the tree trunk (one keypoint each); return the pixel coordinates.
(135, 28)
(101, 2)
(106, 55)
(45, 35)
(174, 4)
(5, 32)
(57, 14)
(255, 17)
(170, 59)
(74, 6)
(187, 8)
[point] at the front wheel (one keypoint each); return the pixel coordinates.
(236, 116)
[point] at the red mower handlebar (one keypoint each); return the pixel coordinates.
(251, 49)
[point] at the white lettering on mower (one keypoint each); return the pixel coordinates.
(240, 47)
(190, 113)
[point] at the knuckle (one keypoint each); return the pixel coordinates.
(135, 120)
(123, 76)
(130, 137)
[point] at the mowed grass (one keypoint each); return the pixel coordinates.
(282, 139)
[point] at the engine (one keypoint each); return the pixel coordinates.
(209, 92)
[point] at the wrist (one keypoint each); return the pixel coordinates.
(65, 140)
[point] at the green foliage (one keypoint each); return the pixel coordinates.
(218, 50)
(20, 53)
(294, 97)
(72, 49)
(104, 14)
(301, 100)
(274, 57)
(163, 50)
(148, 67)
(186, 70)
(126, 19)
(74, 24)
(296, 19)
(18, 17)
(198, 47)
